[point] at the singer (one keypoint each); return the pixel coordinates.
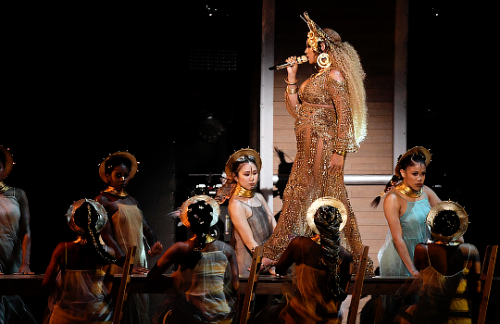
(330, 121)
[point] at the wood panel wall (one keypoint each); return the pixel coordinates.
(370, 27)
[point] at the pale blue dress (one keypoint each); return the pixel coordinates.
(414, 231)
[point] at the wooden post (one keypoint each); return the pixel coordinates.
(487, 277)
(266, 101)
(358, 288)
(400, 79)
(122, 293)
(253, 277)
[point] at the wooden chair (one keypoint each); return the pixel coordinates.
(487, 272)
(247, 308)
(122, 292)
(358, 288)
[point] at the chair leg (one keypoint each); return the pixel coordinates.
(253, 277)
(358, 288)
(487, 277)
(122, 292)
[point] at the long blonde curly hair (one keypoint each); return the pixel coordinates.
(346, 60)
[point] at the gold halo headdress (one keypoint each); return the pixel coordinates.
(325, 201)
(102, 216)
(236, 155)
(133, 162)
(415, 150)
(208, 200)
(452, 230)
(9, 162)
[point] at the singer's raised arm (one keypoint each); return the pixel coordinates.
(292, 88)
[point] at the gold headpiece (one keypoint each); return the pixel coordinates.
(455, 226)
(316, 35)
(236, 155)
(416, 150)
(325, 201)
(101, 214)
(127, 155)
(208, 200)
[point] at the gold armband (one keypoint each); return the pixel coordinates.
(291, 91)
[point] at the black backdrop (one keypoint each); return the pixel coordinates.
(83, 82)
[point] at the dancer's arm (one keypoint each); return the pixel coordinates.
(53, 268)
(292, 94)
(238, 215)
(391, 211)
(24, 231)
(337, 89)
(231, 257)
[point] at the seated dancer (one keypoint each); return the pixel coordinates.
(322, 266)
(206, 281)
(252, 219)
(450, 271)
(81, 296)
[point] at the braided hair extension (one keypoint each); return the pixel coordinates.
(388, 187)
(200, 216)
(327, 220)
(92, 236)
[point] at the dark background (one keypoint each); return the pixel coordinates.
(83, 82)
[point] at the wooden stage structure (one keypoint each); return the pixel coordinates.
(267, 285)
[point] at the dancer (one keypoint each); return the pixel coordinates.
(206, 281)
(406, 206)
(81, 297)
(127, 227)
(330, 121)
(15, 234)
(322, 267)
(449, 285)
(252, 220)
(15, 241)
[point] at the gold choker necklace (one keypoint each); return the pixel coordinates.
(242, 192)
(114, 192)
(407, 191)
(208, 239)
(3, 187)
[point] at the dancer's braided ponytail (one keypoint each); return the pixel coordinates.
(328, 220)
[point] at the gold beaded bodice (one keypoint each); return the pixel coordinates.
(325, 109)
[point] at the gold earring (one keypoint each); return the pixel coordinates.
(324, 61)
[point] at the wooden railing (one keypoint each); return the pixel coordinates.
(268, 285)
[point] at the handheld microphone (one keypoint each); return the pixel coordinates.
(300, 60)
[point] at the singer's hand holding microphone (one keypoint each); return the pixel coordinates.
(290, 62)
(291, 65)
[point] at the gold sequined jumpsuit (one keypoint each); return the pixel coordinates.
(323, 123)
